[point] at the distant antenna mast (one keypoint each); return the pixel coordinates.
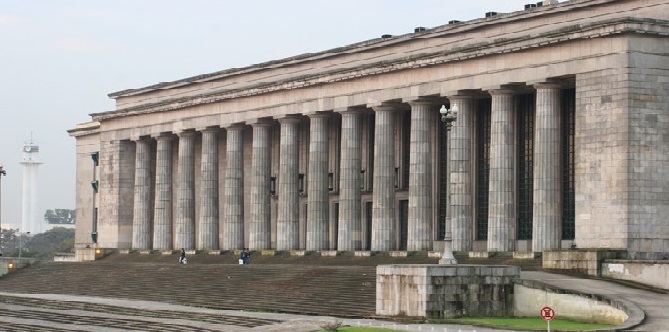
(30, 221)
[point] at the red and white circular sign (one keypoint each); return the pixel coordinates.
(547, 313)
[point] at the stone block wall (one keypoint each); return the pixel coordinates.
(622, 152)
(445, 291)
(529, 298)
(651, 273)
(648, 150)
(581, 261)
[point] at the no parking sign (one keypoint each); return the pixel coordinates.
(547, 314)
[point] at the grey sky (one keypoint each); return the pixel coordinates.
(60, 59)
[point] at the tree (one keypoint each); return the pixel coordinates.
(42, 246)
(55, 240)
(60, 216)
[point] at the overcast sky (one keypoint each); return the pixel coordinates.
(60, 58)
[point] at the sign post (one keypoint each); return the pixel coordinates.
(547, 313)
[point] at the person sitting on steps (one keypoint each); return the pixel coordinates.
(245, 257)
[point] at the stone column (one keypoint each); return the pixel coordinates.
(502, 172)
(185, 218)
(460, 168)
(419, 237)
(260, 236)
(207, 232)
(287, 223)
(546, 217)
(317, 188)
(350, 225)
(141, 220)
(233, 199)
(383, 203)
(162, 213)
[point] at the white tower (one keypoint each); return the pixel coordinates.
(31, 222)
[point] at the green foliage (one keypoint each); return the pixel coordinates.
(57, 239)
(526, 323)
(60, 216)
(42, 246)
(360, 329)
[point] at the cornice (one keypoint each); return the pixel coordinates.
(563, 34)
(84, 129)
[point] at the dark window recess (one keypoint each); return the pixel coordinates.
(483, 122)
(525, 165)
(443, 180)
(568, 190)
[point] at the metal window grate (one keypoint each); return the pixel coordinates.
(443, 180)
(483, 133)
(568, 188)
(526, 113)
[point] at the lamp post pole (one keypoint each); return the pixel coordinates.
(2, 173)
(21, 235)
(448, 116)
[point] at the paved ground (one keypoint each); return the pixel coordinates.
(38, 311)
(59, 313)
(650, 309)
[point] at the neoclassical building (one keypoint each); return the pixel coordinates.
(561, 139)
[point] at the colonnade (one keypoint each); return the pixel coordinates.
(154, 226)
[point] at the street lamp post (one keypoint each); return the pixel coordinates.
(2, 173)
(448, 116)
(21, 242)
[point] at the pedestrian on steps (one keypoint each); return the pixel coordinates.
(182, 257)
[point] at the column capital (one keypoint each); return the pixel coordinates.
(235, 127)
(165, 136)
(502, 91)
(290, 119)
(142, 138)
(387, 106)
(464, 95)
(351, 110)
(547, 85)
(186, 133)
(320, 115)
(429, 101)
(209, 129)
(259, 122)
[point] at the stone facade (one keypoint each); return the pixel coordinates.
(562, 139)
(445, 291)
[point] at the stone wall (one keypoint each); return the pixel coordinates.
(580, 261)
(652, 273)
(445, 291)
(648, 140)
(528, 301)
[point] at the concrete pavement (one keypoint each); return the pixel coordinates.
(648, 310)
(56, 312)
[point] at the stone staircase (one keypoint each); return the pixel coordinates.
(343, 286)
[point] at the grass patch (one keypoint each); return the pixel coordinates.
(524, 323)
(359, 329)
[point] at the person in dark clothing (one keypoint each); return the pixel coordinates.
(245, 256)
(182, 258)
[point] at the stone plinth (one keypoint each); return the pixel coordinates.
(650, 272)
(582, 261)
(89, 254)
(445, 291)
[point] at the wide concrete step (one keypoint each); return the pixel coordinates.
(322, 290)
(344, 285)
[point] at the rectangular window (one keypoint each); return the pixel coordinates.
(406, 151)
(568, 188)
(526, 111)
(443, 180)
(404, 223)
(483, 123)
